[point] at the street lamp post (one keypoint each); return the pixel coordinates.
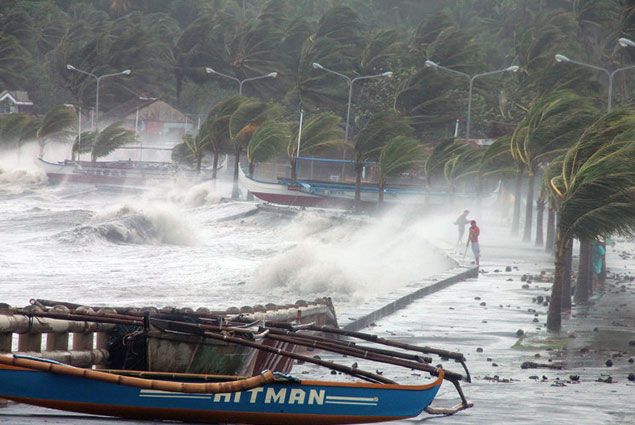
(98, 79)
(471, 79)
(350, 82)
(624, 42)
(238, 80)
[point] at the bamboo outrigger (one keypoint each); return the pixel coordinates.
(264, 398)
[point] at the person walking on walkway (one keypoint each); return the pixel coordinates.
(473, 240)
(461, 222)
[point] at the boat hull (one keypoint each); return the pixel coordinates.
(116, 172)
(306, 402)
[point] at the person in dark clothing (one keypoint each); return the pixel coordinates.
(461, 222)
(473, 240)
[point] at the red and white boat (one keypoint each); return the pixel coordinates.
(118, 172)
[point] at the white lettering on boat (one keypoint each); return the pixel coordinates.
(296, 396)
(225, 396)
(254, 394)
(278, 397)
(316, 397)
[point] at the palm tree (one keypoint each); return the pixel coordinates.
(464, 162)
(12, 62)
(321, 132)
(191, 150)
(237, 119)
(109, 139)
(57, 122)
(594, 191)
(369, 142)
(399, 155)
(83, 143)
(267, 142)
(553, 123)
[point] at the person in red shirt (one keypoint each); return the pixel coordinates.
(473, 239)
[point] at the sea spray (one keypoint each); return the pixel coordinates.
(349, 261)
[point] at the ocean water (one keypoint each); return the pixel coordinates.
(189, 246)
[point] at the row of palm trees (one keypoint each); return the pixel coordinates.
(241, 125)
(59, 125)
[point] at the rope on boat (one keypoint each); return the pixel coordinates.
(265, 377)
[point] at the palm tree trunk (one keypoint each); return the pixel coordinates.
(235, 190)
(529, 210)
(566, 278)
(199, 160)
(517, 194)
(252, 168)
(382, 186)
(540, 217)
(214, 165)
(583, 284)
(554, 319)
(551, 227)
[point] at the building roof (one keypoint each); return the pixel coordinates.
(122, 110)
(18, 97)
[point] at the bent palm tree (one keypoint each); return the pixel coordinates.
(595, 193)
(553, 123)
(111, 138)
(56, 122)
(398, 156)
(372, 138)
(321, 132)
(268, 141)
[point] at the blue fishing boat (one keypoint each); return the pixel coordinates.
(264, 399)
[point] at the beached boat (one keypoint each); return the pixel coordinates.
(125, 340)
(326, 194)
(129, 172)
(264, 399)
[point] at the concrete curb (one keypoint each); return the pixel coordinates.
(402, 302)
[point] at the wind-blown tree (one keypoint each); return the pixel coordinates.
(463, 163)
(369, 142)
(17, 128)
(399, 155)
(496, 165)
(110, 139)
(320, 132)
(431, 98)
(191, 150)
(57, 122)
(595, 193)
(267, 142)
(553, 123)
(83, 143)
(237, 119)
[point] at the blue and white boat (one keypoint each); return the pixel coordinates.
(264, 399)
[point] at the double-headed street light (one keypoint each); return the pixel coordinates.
(350, 82)
(238, 80)
(471, 79)
(624, 42)
(98, 78)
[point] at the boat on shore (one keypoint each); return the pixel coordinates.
(265, 398)
(134, 173)
(331, 194)
(125, 340)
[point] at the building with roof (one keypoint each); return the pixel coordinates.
(155, 121)
(12, 102)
